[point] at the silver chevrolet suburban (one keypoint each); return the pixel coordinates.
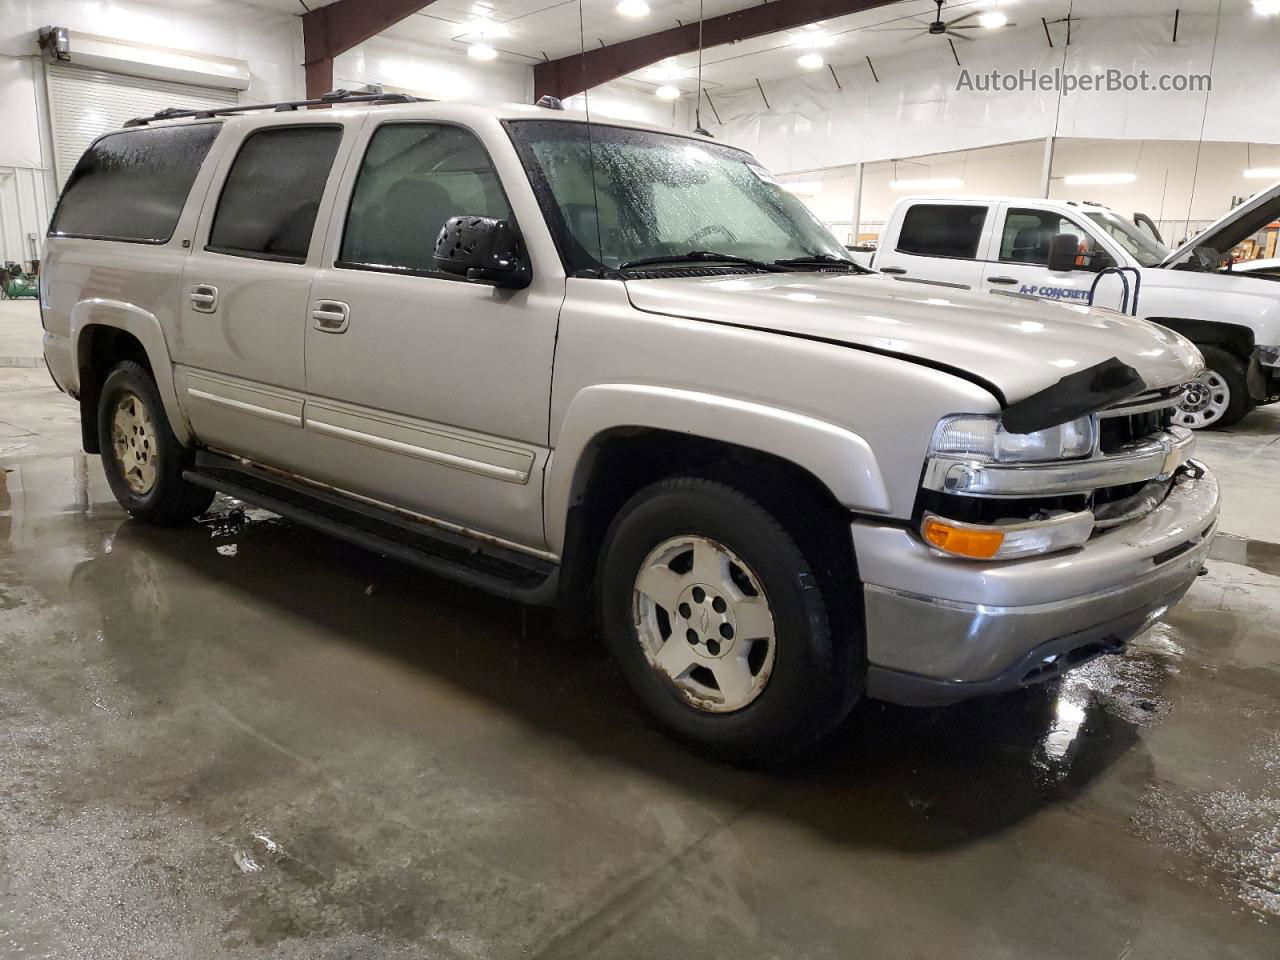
(620, 370)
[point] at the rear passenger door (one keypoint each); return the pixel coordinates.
(936, 240)
(245, 289)
(1020, 262)
(427, 391)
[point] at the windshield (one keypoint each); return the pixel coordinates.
(1144, 248)
(660, 195)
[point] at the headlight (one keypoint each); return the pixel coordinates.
(984, 438)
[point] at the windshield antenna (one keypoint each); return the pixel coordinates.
(697, 109)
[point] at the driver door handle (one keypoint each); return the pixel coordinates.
(330, 316)
(893, 270)
(1001, 280)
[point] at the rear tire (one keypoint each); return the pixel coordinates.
(1219, 397)
(718, 622)
(142, 458)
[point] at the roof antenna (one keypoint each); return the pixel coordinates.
(697, 110)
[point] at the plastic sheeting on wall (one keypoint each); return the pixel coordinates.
(23, 211)
(19, 125)
(916, 108)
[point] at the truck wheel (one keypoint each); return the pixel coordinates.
(718, 623)
(1218, 397)
(142, 458)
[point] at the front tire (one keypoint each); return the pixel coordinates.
(1219, 397)
(719, 625)
(142, 458)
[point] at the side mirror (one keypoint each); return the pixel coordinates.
(484, 249)
(1063, 250)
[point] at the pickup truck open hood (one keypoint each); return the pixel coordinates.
(1016, 345)
(1225, 232)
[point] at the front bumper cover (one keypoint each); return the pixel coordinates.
(941, 630)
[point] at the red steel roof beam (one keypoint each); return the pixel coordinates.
(580, 71)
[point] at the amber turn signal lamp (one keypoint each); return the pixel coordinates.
(962, 541)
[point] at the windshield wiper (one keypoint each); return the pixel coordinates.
(822, 260)
(702, 256)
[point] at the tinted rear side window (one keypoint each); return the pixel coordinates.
(272, 194)
(132, 185)
(942, 230)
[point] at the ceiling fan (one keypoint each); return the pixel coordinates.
(943, 28)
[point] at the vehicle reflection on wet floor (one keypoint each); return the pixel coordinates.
(239, 736)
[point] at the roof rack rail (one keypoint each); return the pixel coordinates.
(328, 99)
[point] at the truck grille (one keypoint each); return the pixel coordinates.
(1137, 418)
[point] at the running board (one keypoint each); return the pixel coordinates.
(468, 560)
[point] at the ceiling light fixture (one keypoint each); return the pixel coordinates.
(938, 183)
(1098, 179)
(811, 61)
(1268, 8)
(992, 19)
(481, 51)
(1263, 173)
(632, 8)
(667, 92)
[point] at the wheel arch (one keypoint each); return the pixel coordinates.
(840, 461)
(1235, 338)
(105, 332)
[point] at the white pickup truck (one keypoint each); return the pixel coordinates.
(1057, 249)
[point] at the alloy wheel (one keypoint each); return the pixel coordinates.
(704, 623)
(133, 437)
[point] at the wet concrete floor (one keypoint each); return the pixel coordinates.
(242, 739)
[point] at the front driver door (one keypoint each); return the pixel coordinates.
(1021, 263)
(426, 391)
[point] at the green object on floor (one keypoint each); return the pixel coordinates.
(20, 288)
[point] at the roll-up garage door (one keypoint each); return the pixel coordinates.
(87, 103)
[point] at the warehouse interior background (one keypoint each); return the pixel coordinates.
(850, 112)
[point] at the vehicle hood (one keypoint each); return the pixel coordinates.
(1225, 232)
(1017, 345)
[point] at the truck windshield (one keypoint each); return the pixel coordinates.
(1142, 247)
(654, 195)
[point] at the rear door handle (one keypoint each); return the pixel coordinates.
(897, 270)
(1001, 280)
(330, 316)
(204, 298)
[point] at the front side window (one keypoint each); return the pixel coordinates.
(269, 203)
(1028, 233)
(414, 177)
(133, 185)
(614, 195)
(942, 230)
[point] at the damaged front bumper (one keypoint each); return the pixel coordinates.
(941, 630)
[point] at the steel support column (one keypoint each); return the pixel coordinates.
(335, 29)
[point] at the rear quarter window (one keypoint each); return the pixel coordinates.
(132, 185)
(942, 230)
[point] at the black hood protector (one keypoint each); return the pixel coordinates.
(1075, 395)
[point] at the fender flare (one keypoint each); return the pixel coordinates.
(1234, 337)
(837, 457)
(146, 329)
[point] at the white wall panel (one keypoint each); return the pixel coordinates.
(19, 129)
(432, 71)
(916, 109)
(24, 210)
